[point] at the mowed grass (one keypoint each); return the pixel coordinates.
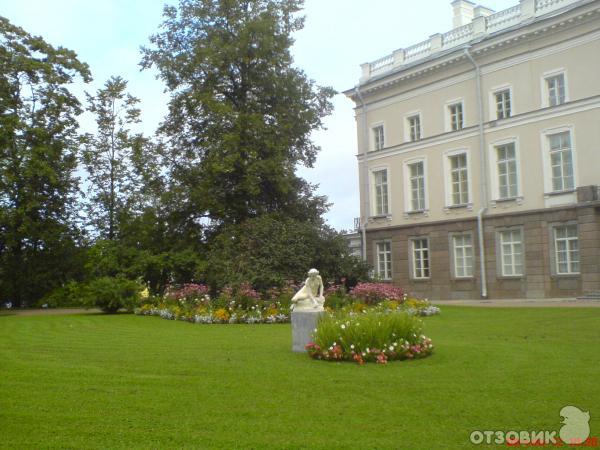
(97, 381)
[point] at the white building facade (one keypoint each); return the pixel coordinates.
(479, 155)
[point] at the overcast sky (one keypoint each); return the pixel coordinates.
(338, 36)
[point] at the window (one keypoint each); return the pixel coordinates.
(561, 161)
(384, 260)
(511, 253)
(462, 247)
(378, 142)
(555, 86)
(459, 179)
(381, 192)
(416, 173)
(420, 258)
(566, 248)
(503, 104)
(456, 116)
(414, 127)
(507, 171)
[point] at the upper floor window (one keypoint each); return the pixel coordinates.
(384, 260)
(416, 173)
(380, 179)
(555, 87)
(566, 249)
(503, 104)
(507, 171)
(378, 137)
(414, 127)
(455, 112)
(561, 161)
(459, 179)
(420, 258)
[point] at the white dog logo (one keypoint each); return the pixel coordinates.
(576, 428)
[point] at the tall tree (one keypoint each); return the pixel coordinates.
(109, 156)
(240, 115)
(38, 158)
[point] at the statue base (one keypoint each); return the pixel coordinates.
(304, 323)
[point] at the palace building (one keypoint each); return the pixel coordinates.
(479, 155)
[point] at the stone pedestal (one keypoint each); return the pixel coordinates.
(303, 325)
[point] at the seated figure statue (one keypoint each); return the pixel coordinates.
(310, 297)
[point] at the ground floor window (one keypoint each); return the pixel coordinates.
(462, 248)
(384, 260)
(566, 249)
(420, 258)
(511, 253)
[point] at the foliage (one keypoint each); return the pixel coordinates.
(241, 115)
(270, 250)
(108, 157)
(371, 336)
(112, 293)
(71, 294)
(372, 293)
(38, 158)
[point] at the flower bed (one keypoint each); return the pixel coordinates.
(193, 303)
(377, 335)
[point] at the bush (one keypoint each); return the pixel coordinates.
(373, 293)
(372, 336)
(113, 293)
(71, 294)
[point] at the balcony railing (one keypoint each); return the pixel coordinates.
(480, 26)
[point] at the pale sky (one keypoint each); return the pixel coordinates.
(338, 36)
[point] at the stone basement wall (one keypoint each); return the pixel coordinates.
(538, 280)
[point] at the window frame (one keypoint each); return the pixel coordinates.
(493, 165)
(388, 263)
(411, 255)
(373, 140)
(408, 188)
(554, 261)
(453, 255)
(373, 193)
(545, 91)
(408, 127)
(493, 109)
(500, 252)
(547, 161)
(448, 179)
(448, 114)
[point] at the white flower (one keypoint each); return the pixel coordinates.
(334, 344)
(315, 330)
(391, 347)
(368, 351)
(330, 348)
(343, 327)
(352, 346)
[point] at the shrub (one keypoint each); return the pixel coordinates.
(372, 293)
(112, 293)
(71, 294)
(373, 336)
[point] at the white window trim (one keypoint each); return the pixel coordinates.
(373, 195)
(448, 178)
(372, 136)
(544, 85)
(447, 115)
(407, 125)
(554, 258)
(376, 249)
(547, 169)
(492, 101)
(411, 257)
(407, 188)
(453, 267)
(493, 165)
(500, 252)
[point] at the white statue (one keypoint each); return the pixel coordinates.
(310, 297)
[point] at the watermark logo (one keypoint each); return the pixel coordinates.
(576, 428)
(574, 431)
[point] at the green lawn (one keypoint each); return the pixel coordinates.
(97, 381)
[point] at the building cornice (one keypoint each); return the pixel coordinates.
(510, 37)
